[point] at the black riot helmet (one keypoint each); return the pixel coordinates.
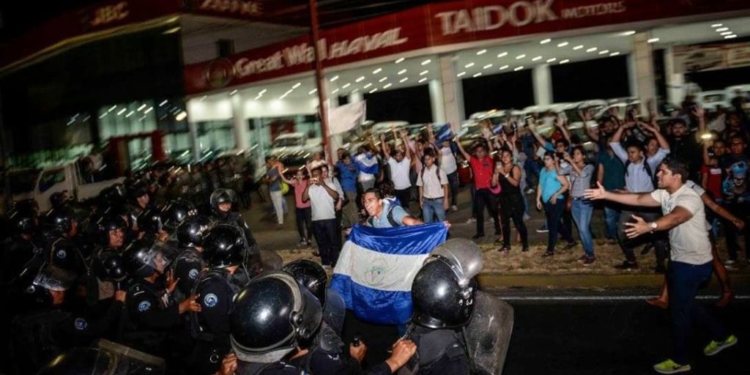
(270, 315)
(60, 220)
(109, 223)
(223, 246)
(49, 279)
(220, 196)
(443, 289)
(82, 361)
(176, 212)
(143, 258)
(24, 221)
(137, 190)
(191, 232)
(115, 195)
(310, 275)
(109, 266)
(149, 221)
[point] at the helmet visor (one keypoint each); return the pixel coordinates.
(54, 278)
(464, 258)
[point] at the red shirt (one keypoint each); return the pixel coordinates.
(482, 171)
(713, 184)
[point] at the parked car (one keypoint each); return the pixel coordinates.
(293, 149)
(710, 100)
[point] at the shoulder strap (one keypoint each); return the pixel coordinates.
(391, 220)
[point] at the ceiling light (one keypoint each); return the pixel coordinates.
(722, 29)
(163, 103)
(487, 66)
(144, 106)
(576, 48)
(477, 75)
(422, 80)
(653, 40)
(504, 67)
(360, 79)
(564, 61)
(502, 54)
(346, 85)
(563, 44)
(148, 110)
(461, 74)
(469, 65)
(592, 49)
(332, 92)
(103, 115)
(716, 25)
(481, 52)
(537, 58)
(376, 71)
(112, 108)
(367, 85)
(519, 57)
(387, 85)
(262, 92)
(181, 116)
(313, 91)
(296, 85)
(399, 61)
(519, 68)
(551, 60)
(727, 33)
(355, 91)
(402, 71)
(614, 53)
(382, 79)
(121, 111)
(373, 90)
(404, 79)
(628, 33)
(606, 51)
(545, 41)
(334, 78)
(730, 36)
(131, 113)
(233, 92)
(424, 72)
(202, 99)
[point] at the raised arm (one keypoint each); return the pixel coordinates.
(461, 149)
(644, 199)
(560, 124)
(659, 137)
(386, 148)
(586, 117)
(407, 149)
(542, 142)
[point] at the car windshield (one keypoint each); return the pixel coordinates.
(288, 142)
(713, 98)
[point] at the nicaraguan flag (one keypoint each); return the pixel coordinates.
(497, 129)
(444, 134)
(377, 266)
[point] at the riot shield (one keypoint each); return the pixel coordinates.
(334, 311)
(131, 361)
(488, 333)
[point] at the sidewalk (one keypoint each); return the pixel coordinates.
(515, 269)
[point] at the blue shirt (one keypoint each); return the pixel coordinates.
(549, 182)
(276, 184)
(614, 171)
(348, 176)
(382, 221)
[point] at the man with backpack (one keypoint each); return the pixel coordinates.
(385, 215)
(639, 178)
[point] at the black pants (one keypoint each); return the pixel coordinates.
(304, 222)
(483, 198)
(658, 239)
(404, 196)
(740, 210)
(328, 237)
(511, 206)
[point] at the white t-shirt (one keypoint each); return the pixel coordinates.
(432, 187)
(448, 161)
(689, 240)
(400, 173)
(322, 204)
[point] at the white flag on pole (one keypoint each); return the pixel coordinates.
(346, 117)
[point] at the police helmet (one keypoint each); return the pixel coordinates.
(137, 190)
(270, 315)
(109, 266)
(223, 246)
(143, 258)
(443, 289)
(150, 221)
(222, 196)
(60, 220)
(49, 278)
(310, 275)
(113, 195)
(191, 231)
(59, 199)
(24, 221)
(176, 212)
(80, 361)
(109, 223)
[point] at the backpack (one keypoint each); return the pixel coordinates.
(389, 215)
(649, 172)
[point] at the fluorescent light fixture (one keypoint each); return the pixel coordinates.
(121, 111)
(422, 80)
(367, 85)
(404, 79)
(426, 62)
(487, 66)
(477, 75)
(346, 85)
(576, 48)
(263, 91)
(504, 67)
(614, 53)
(727, 33)
(334, 78)
(144, 106)
(653, 40)
(233, 92)
(112, 108)
(181, 116)
(552, 60)
(296, 85)
(717, 25)
(537, 58)
(563, 44)
(313, 91)
(103, 115)
(565, 61)
(545, 41)
(378, 70)
(469, 65)
(730, 36)
(722, 29)
(461, 74)
(399, 61)
(424, 72)
(519, 68)
(334, 91)
(519, 57)
(126, 116)
(481, 52)
(604, 52)
(402, 71)
(360, 79)
(148, 110)
(628, 33)
(592, 49)
(502, 54)
(163, 103)
(373, 90)
(387, 85)
(382, 79)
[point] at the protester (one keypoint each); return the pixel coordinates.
(322, 200)
(508, 176)
(275, 169)
(550, 196)
(582, 209)
(433, 189)
(303, 212)
(482, 166)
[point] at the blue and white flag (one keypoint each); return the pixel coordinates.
(445, 133)
(377, 266)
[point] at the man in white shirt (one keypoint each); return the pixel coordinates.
(322, 200)
(433, 189)
(399, 164)
(690, 258)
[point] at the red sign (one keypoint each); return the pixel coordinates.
(434, 25)
(256, 10)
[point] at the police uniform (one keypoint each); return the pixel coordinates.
(439, 352)
(64, 253)
(187, 268)
(277, 368)
(151, 314)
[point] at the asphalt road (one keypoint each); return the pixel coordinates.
(590, 333)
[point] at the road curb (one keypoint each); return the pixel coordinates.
(497, 280)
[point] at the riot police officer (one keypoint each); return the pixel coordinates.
(108, 358)
(152, 314)
(110, 232)
(224, 253)
(189, 264)
(24, 250)
(61, 229)
(175, 212)
(223, 202)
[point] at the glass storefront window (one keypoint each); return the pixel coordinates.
(214, 137)
(124, 119)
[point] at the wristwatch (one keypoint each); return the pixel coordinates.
(653, 226)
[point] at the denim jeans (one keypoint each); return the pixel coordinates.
(611, 218)
(554, 224)
(581, 211)
(741, 210)
(433, 207)
(684, 280)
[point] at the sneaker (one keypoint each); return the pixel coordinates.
(526, 217)
(471, 220)
(302, 243)
(627, 265)
(548, 254)
(589, 261)
(454, 208)
(542, 230)
(730, 262)
(570, 245)
(530, 191)
(714, 347)
(670, 367)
